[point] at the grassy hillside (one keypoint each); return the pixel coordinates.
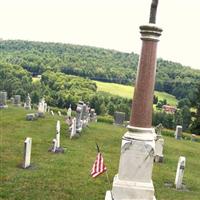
(127, 91)
(67, 176)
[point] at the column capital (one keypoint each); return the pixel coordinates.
(150, 32)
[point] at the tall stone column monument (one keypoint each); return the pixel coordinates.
(134, 178)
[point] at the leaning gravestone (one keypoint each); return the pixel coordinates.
(17, 100)
(27, 152)
(180, 172)
(178, 133)
(3, 100)
(27, 104)
(119, 118)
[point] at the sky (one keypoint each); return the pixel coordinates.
(111, 24)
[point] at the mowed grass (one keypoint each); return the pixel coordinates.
(67, 176)
(127, 91)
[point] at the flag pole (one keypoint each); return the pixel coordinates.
(109, 185)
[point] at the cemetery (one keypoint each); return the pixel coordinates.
(52, 129)
(67, 175)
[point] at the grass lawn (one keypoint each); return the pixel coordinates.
(67, 176)
(127, 91)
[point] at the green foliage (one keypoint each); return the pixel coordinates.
(15, 80)
(96, 63)
(195, 127)
(106, 119)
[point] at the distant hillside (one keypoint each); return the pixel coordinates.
(126, 91)
(96, 63)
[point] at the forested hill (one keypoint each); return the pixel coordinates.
(95, 63)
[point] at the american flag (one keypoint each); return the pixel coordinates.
(98, 166)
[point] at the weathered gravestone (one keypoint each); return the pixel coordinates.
(69, 111)
(178, 132)
(180, 172)
(119, 118)
(27, 152)
(27, 104)
(31, 117)
(73, 129)
(42, 107)
(93, 115)
(17, 100)
(3, 100)
(79, 112)
(159, 144)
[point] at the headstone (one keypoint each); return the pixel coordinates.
(41, 106)
(12, 100)
(180, 172)
(159, 144)
(158, 129)
(27, 104)
(193, 137)
(69, 111)
(93, 115)
(17, 100)
(30, 117)
(79, 112)
(3, 100)
(27, 152)
(58, 133)
(59, 113)
(52, 113)
(73, 129)
(45, 107)
(178, 133)
(119, 118)
(56, 148)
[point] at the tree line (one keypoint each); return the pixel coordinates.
(60, 64)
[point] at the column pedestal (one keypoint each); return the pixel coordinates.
(133, 182)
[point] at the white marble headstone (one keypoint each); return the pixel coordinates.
(52, 113)
(27, 152)
(180, 172)
(58, 133)
(59, 113)
(73, 128)
(159, 143)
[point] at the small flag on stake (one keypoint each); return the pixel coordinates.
(98, 166)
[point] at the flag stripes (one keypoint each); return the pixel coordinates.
(98, 166)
